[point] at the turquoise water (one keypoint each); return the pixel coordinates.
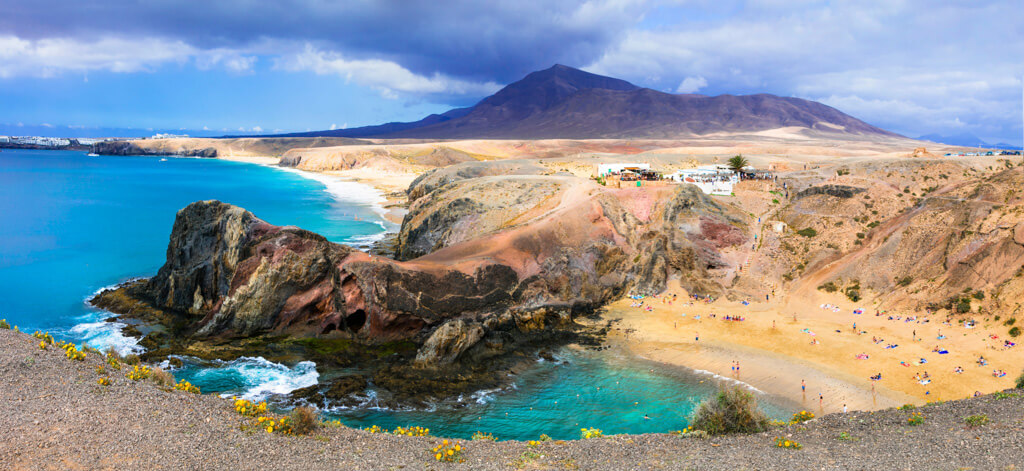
(72, 224)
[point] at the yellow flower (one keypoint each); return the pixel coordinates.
(445, 443)
(458, 448)
(451, 452)
(270, 429)
(438, 456)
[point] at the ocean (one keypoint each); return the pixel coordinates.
(71, 224)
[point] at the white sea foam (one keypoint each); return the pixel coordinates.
(727, 379)
(345, 190)
(262, 378)
(104, 335)
(351, 192)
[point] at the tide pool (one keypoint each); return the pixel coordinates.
(71, 225)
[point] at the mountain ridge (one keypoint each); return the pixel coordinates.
(564, 102)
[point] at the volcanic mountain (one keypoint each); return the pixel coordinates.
(563, 102)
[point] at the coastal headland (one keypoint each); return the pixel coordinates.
(875, 245)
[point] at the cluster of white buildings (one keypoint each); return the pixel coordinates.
(169, 136)
(36, 141)
(711, 180)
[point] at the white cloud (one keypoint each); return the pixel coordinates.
(389, 78)
(691, 85)
(334, 126)
(905, 66)
(50, 57)
(257, 129)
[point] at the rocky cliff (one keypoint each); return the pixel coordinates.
(131, 148)
(505, 268)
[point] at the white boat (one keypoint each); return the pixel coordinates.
(163, 160)
(90, 154)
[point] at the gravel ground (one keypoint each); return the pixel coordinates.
(57, 417)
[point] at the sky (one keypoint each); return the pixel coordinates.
(213, 67)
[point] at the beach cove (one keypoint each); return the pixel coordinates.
(775, 350)
(554, 397)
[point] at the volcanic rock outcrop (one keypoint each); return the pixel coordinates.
(129, 148)
(493, 265)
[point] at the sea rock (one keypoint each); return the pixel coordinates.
(448, 342)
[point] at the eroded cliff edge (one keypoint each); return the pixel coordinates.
(506, 268)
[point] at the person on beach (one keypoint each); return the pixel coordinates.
(844, 408)
(696, 337)
(803, 387)
(821, 400)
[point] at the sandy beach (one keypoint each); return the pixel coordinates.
(391, 185)
(775, 352)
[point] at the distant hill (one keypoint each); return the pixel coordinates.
(966, 140)
(563, 102)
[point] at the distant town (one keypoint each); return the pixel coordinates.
(69, 143)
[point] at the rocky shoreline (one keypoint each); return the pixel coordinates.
(432, 323)
(60, 418)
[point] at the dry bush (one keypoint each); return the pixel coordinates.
(304, 420)
(162, 378)
(732, 410)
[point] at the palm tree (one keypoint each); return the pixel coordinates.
(737, 163)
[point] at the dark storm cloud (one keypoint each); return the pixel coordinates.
(474, 40)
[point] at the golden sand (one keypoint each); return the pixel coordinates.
(775, 354)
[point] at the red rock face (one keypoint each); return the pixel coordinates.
(720, 233)
(239, 276)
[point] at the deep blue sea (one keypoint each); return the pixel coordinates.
(71, 224)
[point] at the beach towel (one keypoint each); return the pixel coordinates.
(925, 381)
(943, 352)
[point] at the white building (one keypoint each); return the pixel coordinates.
(4, 139)
(710, 180)
(608, 169)
(168, 136)
(41, 141)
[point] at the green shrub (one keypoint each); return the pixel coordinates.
(979, 295)
(1015, 331)
(915, 419)
(963, 306)
(976, 420)
(478, 435)
(4, 324)
(860, 235)
(732, 410)
(807, 232)
(1020, 382)
(908, 407)
(906, 280)
(1010, 321)
(829, 287)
